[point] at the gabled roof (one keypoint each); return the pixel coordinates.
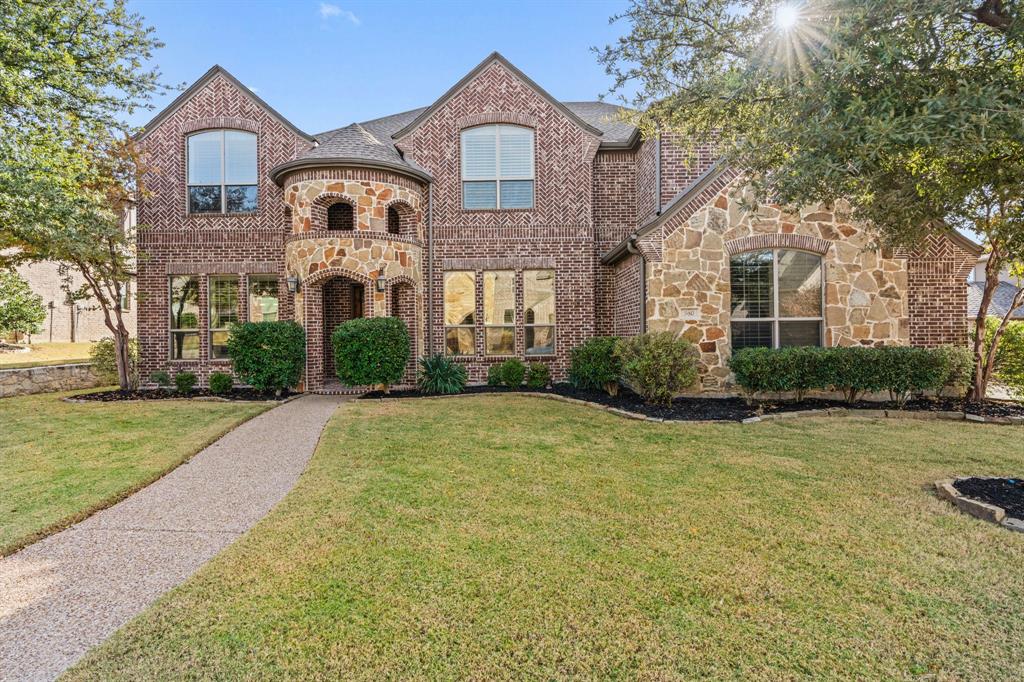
(680, 201)
(215, 70)
(491, 59)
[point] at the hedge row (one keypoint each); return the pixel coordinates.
(854, 371)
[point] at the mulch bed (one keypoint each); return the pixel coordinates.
(247, 394)
(728, 409)
(1007, 493)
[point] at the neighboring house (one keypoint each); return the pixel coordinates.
(499, 222)
(1002, 297)
(68, 320)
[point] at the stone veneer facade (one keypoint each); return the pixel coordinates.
(594, 198)
(865, 292)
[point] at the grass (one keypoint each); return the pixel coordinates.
(46, 354)
(507, 537)
(63, 461)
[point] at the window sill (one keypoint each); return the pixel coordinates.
(498, 210)
(223, 215)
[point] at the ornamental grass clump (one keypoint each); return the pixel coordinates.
(594, 365)
(269, 356)
(658, 365)
(441, 375)
(371, 351)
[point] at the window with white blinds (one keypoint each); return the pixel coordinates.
(497, 167)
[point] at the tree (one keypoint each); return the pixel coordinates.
(91, 230)
(21, 311)
(70, 70)
(910, 110)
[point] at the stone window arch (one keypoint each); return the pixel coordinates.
(776, 298)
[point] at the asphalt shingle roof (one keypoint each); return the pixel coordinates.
(1002, 298)
(371, 140)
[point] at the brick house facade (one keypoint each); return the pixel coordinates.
(602, 233)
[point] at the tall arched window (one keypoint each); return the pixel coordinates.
(394, 220)
(776, 299)
(497, 167)
(340, 216)
(222, 176)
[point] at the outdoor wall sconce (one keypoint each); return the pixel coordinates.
(293, 284)
(382, 285)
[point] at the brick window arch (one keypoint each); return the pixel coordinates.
(341, 216)
(394, 220)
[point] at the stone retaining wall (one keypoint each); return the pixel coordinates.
(46, 379)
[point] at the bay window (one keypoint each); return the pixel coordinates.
(776, 299)
(222, 172)
(223, 295)
(460, 312)
(499, 312)
(184, 317)
(263, 298)
(497, 167)
(539, 311)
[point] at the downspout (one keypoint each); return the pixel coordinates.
(430, 269)
(631, 248)
(657, 174)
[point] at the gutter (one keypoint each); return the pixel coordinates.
(657, 174)
(277, 172)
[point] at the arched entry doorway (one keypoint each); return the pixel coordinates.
(330, 298)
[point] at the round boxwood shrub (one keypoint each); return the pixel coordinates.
(221, 383)
(594, 366)
(510, 373)
(538, 375)
(440, 374)
(371, 351)
(185, 381)
(269, 356)
(658, 365)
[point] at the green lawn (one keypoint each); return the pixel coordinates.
(47, 354)
(62, 461)
(502, 537)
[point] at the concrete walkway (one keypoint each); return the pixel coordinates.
(70, 591)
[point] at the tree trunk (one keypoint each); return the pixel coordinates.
(982, 372)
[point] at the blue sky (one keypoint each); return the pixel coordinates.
(324, 64)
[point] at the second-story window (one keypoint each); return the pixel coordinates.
(497, 167)
(222, 172)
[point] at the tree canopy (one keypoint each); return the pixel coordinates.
(902, 107)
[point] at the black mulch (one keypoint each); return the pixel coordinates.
(169, 394)
(727, 409)
(1007, 493)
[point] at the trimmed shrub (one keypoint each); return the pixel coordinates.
(907, 372)
(657, 365)
(185, 381)
(269, 356)
(794, 370)
(161, 379)
(594, 366)
(538, 375)
(103, 356)
(509, 373)
(440, 374)
(957, 369)
(221, 383)
(854, 371)
(371, 351)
